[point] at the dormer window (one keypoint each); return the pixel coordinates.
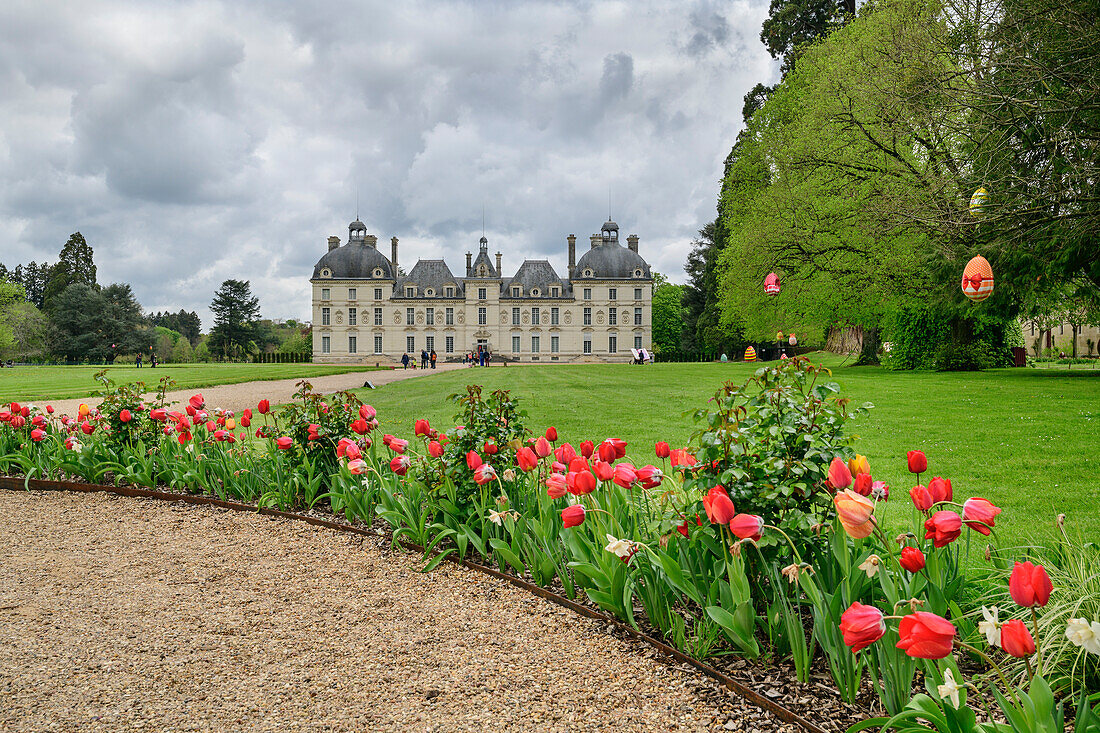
(325, 272)
(482, 272)
(588, 273)
(515, 292)
(377, 272)
(410, 291)
(554, 292)
(429, 292)
(637, 273)
(450, 291)
(535, 292)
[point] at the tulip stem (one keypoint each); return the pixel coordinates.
(996, 668)
(1038, 648)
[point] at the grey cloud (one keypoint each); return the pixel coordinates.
(618, 76)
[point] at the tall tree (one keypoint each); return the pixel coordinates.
(235, 314)
(75, 264)
(668, 318)
(92, 324)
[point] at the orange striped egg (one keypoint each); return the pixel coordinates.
(750, 354)
(977, 279)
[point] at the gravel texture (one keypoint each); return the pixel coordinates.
(128, 614)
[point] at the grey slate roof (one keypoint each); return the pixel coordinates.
(611, 262)
(484, 259)
(535, 274)
(356, 261)
(432, 274)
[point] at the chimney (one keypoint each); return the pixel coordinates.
(596, 239)
(371, 241)
(498, 265)
(469, 264)
(393, 254)
(333, 243)
(572, 239)
(632, 243)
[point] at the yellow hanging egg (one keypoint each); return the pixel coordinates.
(977, 201)
(750, 354)
(977, 279)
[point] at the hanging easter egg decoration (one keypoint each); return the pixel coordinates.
(771, 284)
(977, 201)
(977, 280)
(750, 354)
(779, 336)
(792, 340)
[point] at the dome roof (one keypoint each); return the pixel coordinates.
(357, 226)
(610, 262)
(609, 226)
(354, 262)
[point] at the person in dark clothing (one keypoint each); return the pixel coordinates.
(433, 358)
(423, 358)
(404, 361)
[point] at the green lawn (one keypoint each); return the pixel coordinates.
(62, 382)
(1024, 439)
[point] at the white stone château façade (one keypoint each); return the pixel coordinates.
(365, 312)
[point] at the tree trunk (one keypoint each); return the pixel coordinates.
(868, 355)
(1073, 330)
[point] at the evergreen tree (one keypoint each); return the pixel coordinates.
(235, 314)
(75, 264)
(92, 324)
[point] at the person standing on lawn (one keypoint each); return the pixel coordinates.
(405, 360)
(433, 358)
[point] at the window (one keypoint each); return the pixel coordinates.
(431, 317)
(612, 344)
(410, 343)
(429, 343)
(324, 316)
(326, 344)
(450, 316)
(410, 291)
(554, 292)
(353, 316)
(378, 316)
(450, 344)
(378, 272)
(351, 293)
(554, 344)
(534, 292)
(553, 316)
(637, 316)
(587, 317)
(612, 293)
(637, 342)
(588, 293)
(324, 293)
(326, 272)
(378, 293)
(588, 343)
(351, 344)
(450, 291)
(429, 292)
(515, 316)
(481, 316)
(536, 317)
(637, 293)
(378, 343)
(410, 316)
(515, 344)
(515, 292)
(534, 344)
(612, 317)
(481, 293)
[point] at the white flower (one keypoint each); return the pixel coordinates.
(623, 548)
(497, 518)
(991, 627)
(871, 565)
(1084, 634)
(949, 689)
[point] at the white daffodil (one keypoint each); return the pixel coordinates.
(949, 690)
(991, 627)
(871, 565)
(497, 518)
(622, 548)
(1084, 634)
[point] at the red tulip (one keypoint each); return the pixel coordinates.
(650, 477)
(526, 459)
(264, 407)
(556, 485)
(398, 445)
(624, 475)
(587, 448)
(863, 484)
(197, 401)
(247, 413)
(49, 409)
(352, 452)
(917, 461)
(662, 449)
(183, 437)
(552, 434)
(718, 506)
(572, 516)
(747, 526)
(612, 449)
(357, 466)
(683, 528)
(558, 467)
(1029, 585)
(399, 464)
(564, 452)
(979, 514)
(839, 475)
(940, 489)
(862, 626)
(922, 497)
(680, 458)
(435, 449)
(191, 411)
(604, 471)
(125, 416)
(87, 427)
(359, 427)
(543, 448)
(925, 635)
(38, 435)
(484, 474)
(490, 448)
(473, 460)
(366, 412)
(583, 483)
(284, 443)
(1016, 639)
(579, 464)
(421, 427)
(912, 559)
(943, 528)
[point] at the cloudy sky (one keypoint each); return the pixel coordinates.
(198, 141)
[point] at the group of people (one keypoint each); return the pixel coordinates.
(426, 358)
(152, 359)
(482, 357)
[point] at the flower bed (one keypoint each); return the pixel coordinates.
(761, 540)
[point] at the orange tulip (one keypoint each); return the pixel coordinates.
(839, 475)
(855, 513)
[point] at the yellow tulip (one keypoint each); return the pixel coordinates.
(859, 465)
(83, 410)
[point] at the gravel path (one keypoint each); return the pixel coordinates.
(248, 394)
(129, 614)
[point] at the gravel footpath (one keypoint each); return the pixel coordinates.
(129, 614)
(248, 394)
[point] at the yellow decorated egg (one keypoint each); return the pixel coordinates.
(977, 201)
(977, 279)
(750, 354)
